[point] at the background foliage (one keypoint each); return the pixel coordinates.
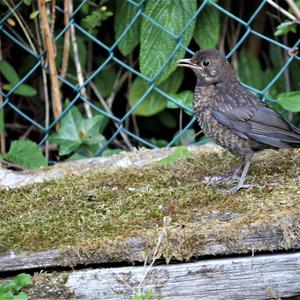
(121, 88)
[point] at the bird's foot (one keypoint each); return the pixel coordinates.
(237, 188)
(215, 180)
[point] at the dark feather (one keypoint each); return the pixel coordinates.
(251, 119)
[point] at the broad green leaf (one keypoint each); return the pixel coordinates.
(21, 281)
(105, 81)
(156, 44)
(290, 101)
(125, 11)
(207, 30)
(89, 131)
(154, 102)
(68, 137)
(20, 296)
(178, 153)
(285, 27)
(26, 154)
(22, 90)
(250, 71)
(8, 71)
(76, 156)
(185, 98)
(27, 2)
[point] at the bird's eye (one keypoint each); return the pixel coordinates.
(205, 63)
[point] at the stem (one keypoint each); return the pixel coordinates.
(2, 134)
(45, 86)
(21, 25)
(66, 50)
(294, 7)
(87, 108)
(283, 11)
(105, 106)
(49, 44)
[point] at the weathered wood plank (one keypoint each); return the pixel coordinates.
(261, 277)
(259, 236)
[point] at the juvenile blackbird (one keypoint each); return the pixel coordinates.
(233, 117)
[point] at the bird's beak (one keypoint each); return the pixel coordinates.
(186, 62)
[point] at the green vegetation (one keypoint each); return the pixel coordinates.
(144, 36)
(12, 289)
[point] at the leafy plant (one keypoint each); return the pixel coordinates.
(207, 32)
(125, 12)
(179, 153)
(156, 44)
(144, 296)
(78, 135)
(11, 75)
(26, 154)
(290, 101)
(153, 102)
(12, 289)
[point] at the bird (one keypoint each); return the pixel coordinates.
(233, 117)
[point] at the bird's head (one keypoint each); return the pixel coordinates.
(209, 65)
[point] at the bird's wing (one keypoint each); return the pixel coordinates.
(255, 121)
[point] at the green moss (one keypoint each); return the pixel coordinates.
(89, 209)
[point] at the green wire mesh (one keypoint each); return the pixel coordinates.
(111, 57)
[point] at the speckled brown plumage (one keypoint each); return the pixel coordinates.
(233, 117)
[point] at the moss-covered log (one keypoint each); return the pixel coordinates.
(114, 215)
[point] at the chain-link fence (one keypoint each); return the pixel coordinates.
(144, 19)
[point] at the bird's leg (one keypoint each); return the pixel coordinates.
(236, 172)
(218, 179)
(242, 179)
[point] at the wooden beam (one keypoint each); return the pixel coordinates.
(251, 278)
(253, 238)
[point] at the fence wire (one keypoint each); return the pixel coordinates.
(111, 57)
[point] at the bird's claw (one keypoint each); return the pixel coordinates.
(215, 180)
(237, 188)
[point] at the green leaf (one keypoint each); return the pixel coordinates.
(207, 30)
(26, 154)
(27, 2)
(9, 72)
(75, 156)
(154, 102)
(185, 97)
(290, 101)
(34, 14)
(105, 81)
(250, 71)
(285, 27)
(89, 131)
(21, 281)
(20, 296)
(68, 137)
(22, 90)
(178, 153)
(156, 44)
(125, 11)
